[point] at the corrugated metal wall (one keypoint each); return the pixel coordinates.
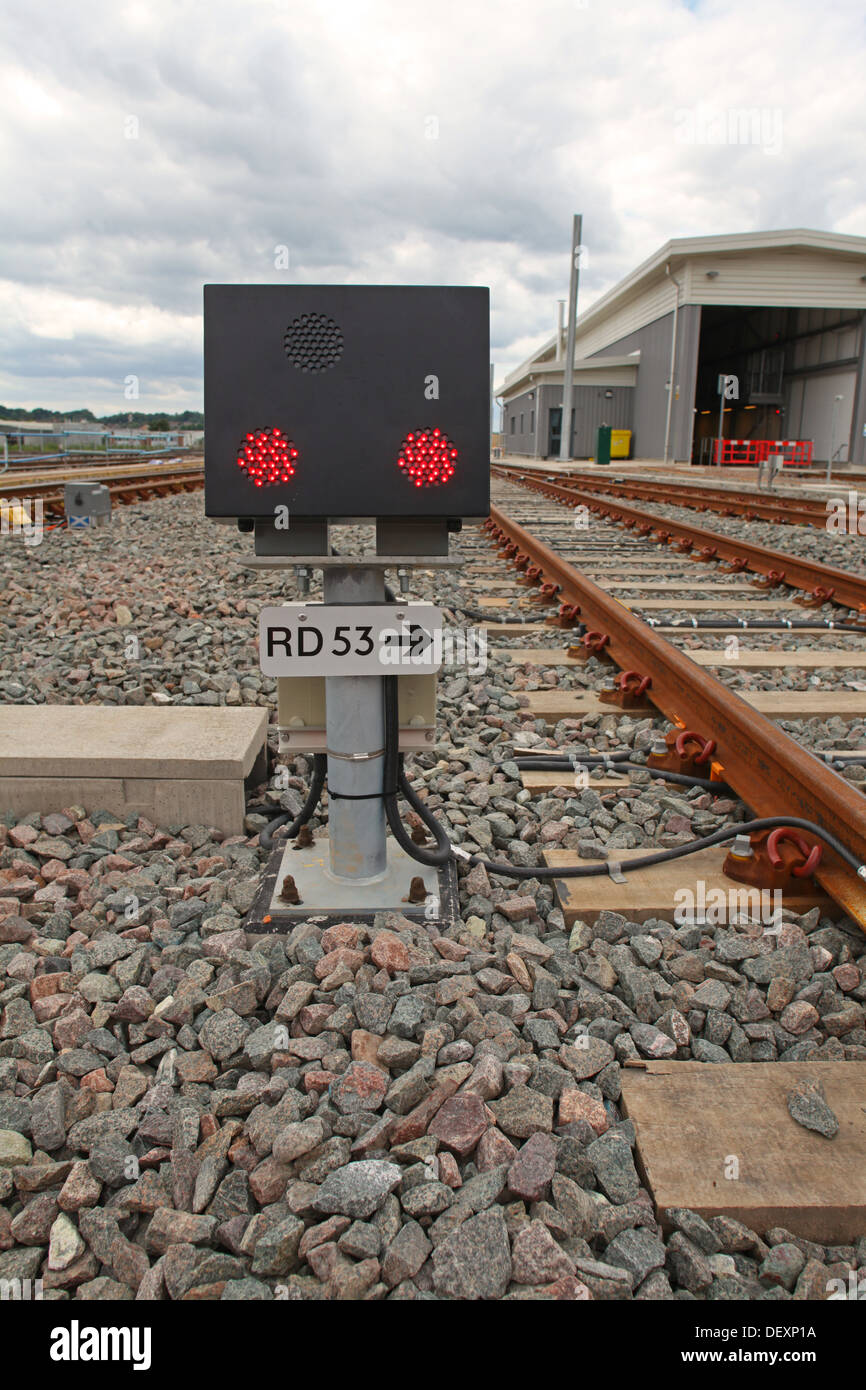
(650, 394)
(518, 427)
(591, 409)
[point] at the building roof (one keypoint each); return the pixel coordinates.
(674, 254)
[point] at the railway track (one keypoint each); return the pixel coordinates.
(476, 1109)
(740, 501)
(818, 583)
(126, 483)
(603, 583)
(19, 464)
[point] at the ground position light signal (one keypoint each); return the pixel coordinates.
(315, 398)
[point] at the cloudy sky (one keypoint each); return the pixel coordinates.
(153, 146)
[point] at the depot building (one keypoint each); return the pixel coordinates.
(780, 315)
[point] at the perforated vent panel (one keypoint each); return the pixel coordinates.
(313, 343)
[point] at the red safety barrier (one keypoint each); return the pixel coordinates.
(745, 453)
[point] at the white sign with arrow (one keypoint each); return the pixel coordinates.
(325, 639)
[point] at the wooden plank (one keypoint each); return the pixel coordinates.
(695, 605)
(516, 629)
(660, 890)
(677, 629)
(548, 781)
(538, 656)
(746, 660)
(808, 704)
(636, 581)
(554, 704)
(705, 605)
(676, 585)
(697, 1124)
(771, 661)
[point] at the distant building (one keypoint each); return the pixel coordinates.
(782, 313)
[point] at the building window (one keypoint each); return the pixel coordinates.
(512, 424)
(532, 422)
(521, 422)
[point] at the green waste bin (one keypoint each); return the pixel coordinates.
(602, 444)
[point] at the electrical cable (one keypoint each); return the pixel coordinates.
(317, 782)
(393, 774)
(445, 850)
(664, 856)
(563, 764)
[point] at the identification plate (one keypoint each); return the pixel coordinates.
(318, 639)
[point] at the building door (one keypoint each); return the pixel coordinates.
(555, 435)
(555, 432)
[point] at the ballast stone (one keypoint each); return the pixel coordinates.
(358, 1189)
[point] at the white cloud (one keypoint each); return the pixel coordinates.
(153, 147)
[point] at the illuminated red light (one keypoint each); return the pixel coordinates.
(427, 458)
(267, 456)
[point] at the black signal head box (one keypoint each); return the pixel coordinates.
(347, 401)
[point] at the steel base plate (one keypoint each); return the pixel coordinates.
(326, 900)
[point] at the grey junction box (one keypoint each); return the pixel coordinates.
(86, 500)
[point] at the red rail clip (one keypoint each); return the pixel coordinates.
(815, 598)
(567, 616)
(778, 859)
(629, 691)
(769, 580)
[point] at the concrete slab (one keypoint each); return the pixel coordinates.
(176, 766)
(130, 740)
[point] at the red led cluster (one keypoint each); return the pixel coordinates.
(267, 456)
(427, 458)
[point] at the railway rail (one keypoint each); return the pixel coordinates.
(746, 502)
(130, 483)
(820, 583)
(769, 770)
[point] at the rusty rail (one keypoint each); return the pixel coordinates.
(802, 511)
(848, 590)
(768, 769)
(123, 486)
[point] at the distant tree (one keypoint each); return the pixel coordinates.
(157, 420)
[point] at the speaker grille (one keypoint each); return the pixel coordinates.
(313, 343)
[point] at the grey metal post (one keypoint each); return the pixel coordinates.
(722, 382)
(673, 367)
(836, 400)
(568, 373)
(355, 721)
